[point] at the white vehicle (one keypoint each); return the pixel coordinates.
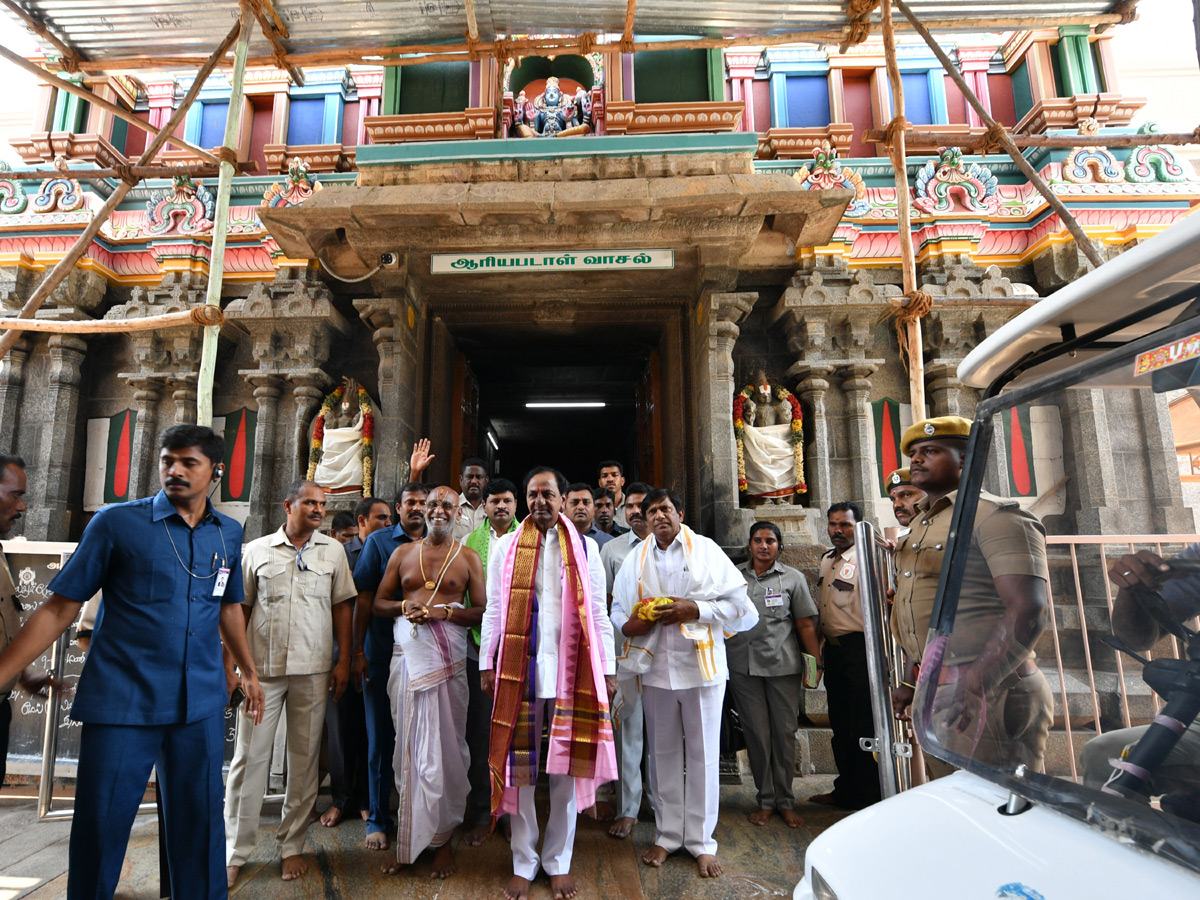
(995, 830)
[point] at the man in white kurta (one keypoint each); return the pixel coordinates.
(680, 655)
(544, 496)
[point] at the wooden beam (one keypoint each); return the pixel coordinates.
(139, 172)
(392, 55)
(1001, 136)
(66, 265)
(630, 13)
(267, 18)
(80, 91)
(983, 142)
(203, 315)
(71, 57)
(472, 23)
(913, 345)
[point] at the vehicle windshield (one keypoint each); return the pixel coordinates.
(1077, 534)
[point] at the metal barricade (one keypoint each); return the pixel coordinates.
(891, 746)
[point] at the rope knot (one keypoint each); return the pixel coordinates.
(899, 123)
(587, 43)
(500, 48)
(917, 306)
(228, 155)
(472, 47)
(1127, 10)
(626, 44)
(993, 139)
(125, 173)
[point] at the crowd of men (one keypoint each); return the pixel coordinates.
(436, 641)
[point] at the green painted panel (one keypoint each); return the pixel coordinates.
(671, 76)
(1022, 91)
(436, 87)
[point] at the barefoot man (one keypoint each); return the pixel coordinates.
(678, 648)
(422, 590)
(547, 651)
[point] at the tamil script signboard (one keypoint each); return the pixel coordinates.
(543, 261)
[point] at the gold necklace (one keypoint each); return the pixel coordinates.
(430, 585)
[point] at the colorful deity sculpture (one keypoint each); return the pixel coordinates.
(552, 113)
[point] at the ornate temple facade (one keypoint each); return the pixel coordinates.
(648, 229)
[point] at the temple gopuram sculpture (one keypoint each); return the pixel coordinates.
(552, 113)
(767, 425)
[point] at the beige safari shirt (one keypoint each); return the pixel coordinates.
(10, 616)
(1006, 540)
(291, 618)
(838, 602)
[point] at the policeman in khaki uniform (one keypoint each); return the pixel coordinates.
(991, 703)
(904, 496)
(847, 683)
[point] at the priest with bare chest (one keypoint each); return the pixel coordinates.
(422, 590)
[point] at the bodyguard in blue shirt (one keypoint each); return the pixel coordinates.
(372, 645)
(152, 692)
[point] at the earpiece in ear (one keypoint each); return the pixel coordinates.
(218, 473)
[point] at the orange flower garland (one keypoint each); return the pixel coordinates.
(368, 431)
(796, 436)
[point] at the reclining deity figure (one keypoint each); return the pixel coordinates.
(769, 455)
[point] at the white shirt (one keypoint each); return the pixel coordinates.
(548, 585)
(675, 665)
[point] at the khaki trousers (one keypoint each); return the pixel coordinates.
(305, 698)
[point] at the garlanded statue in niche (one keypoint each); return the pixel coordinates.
(768, 428)
(552, 113)
(341, 458)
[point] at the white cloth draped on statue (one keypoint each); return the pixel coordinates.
(341, 465)
(770, 461)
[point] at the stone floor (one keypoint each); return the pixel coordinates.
(759, 862)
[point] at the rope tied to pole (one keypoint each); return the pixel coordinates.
(858, 22)
(626, 44)
(1127, 10)
(228, 155)
(500, 49)
(206, 314)
(899, 123)
(124, 172)
(993, 139)
(908, 309)
(587, 43)
(472, 47)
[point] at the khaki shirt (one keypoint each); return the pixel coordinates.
(1006, 540)
(838, 602)
(291, 618)
(10, 615)
(467, 518)
(772, 647)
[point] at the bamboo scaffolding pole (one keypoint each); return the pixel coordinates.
(984, 143)
(198, 315)
(910, 314)
(1001, 136)
(216, 260)
(267, 18)
(401, 55)
(139, 172)
(627, 31)
(64, 267)
(472, 23)
(79, 91)
(70, 56)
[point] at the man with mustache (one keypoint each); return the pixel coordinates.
(628, 720)
(500, 505)
(606, 510)
(296, 584)
(904, 496)
(580, 507)
(472, 478)
(422, 593)
(152, 695)
(678, 649)
(372, 642)
(547, 652)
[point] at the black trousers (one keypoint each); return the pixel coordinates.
(479, 734)
(848, 688)
(346, 723)
(5, 721)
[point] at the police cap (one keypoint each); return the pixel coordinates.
(930, 429)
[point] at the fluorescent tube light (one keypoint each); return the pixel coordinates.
(492, 441)
(566, 404)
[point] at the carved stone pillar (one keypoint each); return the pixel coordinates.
(49, 516)
(813, 385)
(1169, 514)
(1095, 471)
(267, 390)
(143, 463)
(856, 383)
(394, 324)
(718, 447)
(183, 394)
(12, 389)
(308, 390)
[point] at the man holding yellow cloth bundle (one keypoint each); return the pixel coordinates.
(678, 648)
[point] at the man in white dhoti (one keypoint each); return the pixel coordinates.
(547, 651)
(423, 589)
(676, 596)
